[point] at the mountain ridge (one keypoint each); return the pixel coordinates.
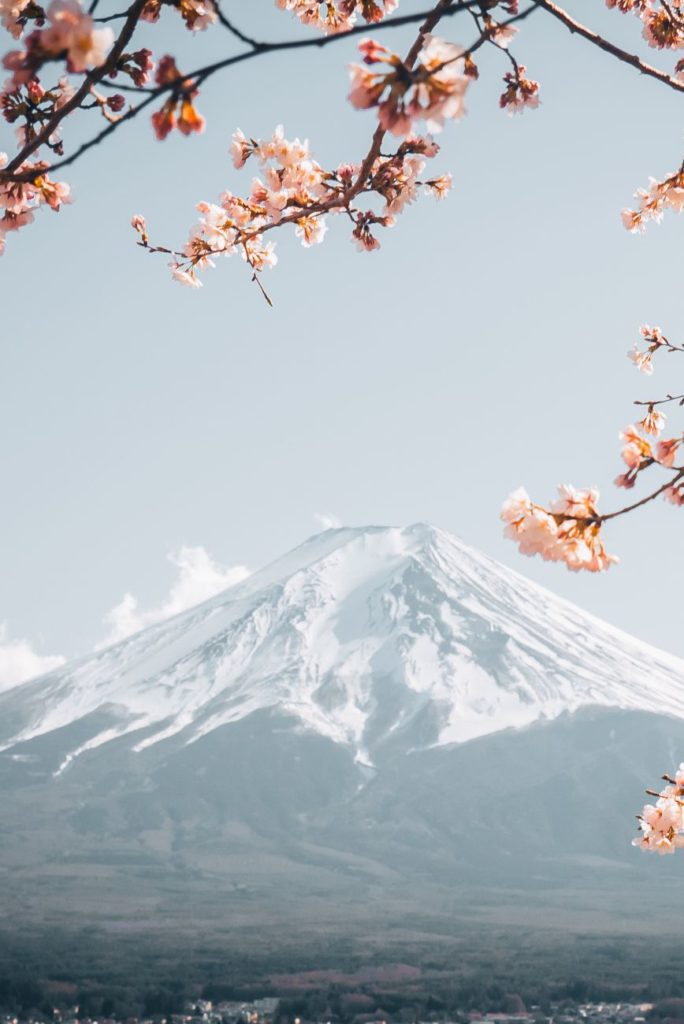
(335, 632)
(382, 726)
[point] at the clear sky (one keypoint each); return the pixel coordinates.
(481, 348)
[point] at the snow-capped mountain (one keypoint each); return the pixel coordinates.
(383, 719)
(357, 635)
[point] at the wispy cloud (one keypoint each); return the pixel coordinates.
(198, 578)
(327, 520)
(20, 662)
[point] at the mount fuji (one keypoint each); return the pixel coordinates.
(382, 723)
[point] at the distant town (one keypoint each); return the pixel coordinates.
(270, 1011)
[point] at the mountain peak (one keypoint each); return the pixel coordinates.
(372, 637)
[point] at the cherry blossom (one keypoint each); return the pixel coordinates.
(337, 15)
(70, 29)
(432, 91)
(520, 92)
(575, 519)
(569, 531)
(660, 196)
(653, 422)
(10, 16)
(662, 824)
(197, 14)
(292, 188)
(178, 111)
(667, 451)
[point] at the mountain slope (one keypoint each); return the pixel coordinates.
(384, 725)
(362, 636)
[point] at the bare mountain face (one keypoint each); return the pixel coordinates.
(383, 725)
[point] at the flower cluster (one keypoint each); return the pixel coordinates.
(138, 66)
(557, 533)
(520, 92)
(64, 33)
(197, 14)
(30, 107)
(178, 111)
(18, 200)
(667, 194)
(292, 188)
(337, 15)
(654, 339)
(638, 453)
(662, 823)
(70, 32)
(663, 22)
(432, 91)
(569, 531)
(13, 15)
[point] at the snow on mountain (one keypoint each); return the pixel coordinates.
(364, 636)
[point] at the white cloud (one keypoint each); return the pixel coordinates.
(198, 578)
(19, 662)
(327, 520)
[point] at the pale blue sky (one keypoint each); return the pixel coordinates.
(482, 347)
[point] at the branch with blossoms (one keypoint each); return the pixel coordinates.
(428, 85)
(570, 529)
(293, 189)
(661, 824)
(70, 63)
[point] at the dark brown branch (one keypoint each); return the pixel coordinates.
(608, 47)
(663, 401)
(91, 79)
(200, 75)
(234, 30)
(679, 475)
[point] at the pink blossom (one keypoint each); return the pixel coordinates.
(674, 495)
(186, 277)
(139, 225)
(198, 14)
(10, 13)
(520, 91)
(71, 29)
(433, 91)
(569, 532)
(667, 451)
(642, 360)
(440, 187)
(337, 15)
(636, 449)
(240, 149)
(660, 30)
(311, 230)
(502, 35)
(653, 422)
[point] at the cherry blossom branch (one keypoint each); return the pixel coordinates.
(672, 482)
(300, 193)
(201, 74)
(92, 78)
(603, 44)
(569, 530)
(431, 21)
(661, 825)
(663, 401)
(445, 8)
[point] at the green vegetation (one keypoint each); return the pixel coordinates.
(487, 970)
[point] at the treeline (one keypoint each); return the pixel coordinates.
(145, 977)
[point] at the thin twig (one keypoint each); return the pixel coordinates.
(238, 33)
